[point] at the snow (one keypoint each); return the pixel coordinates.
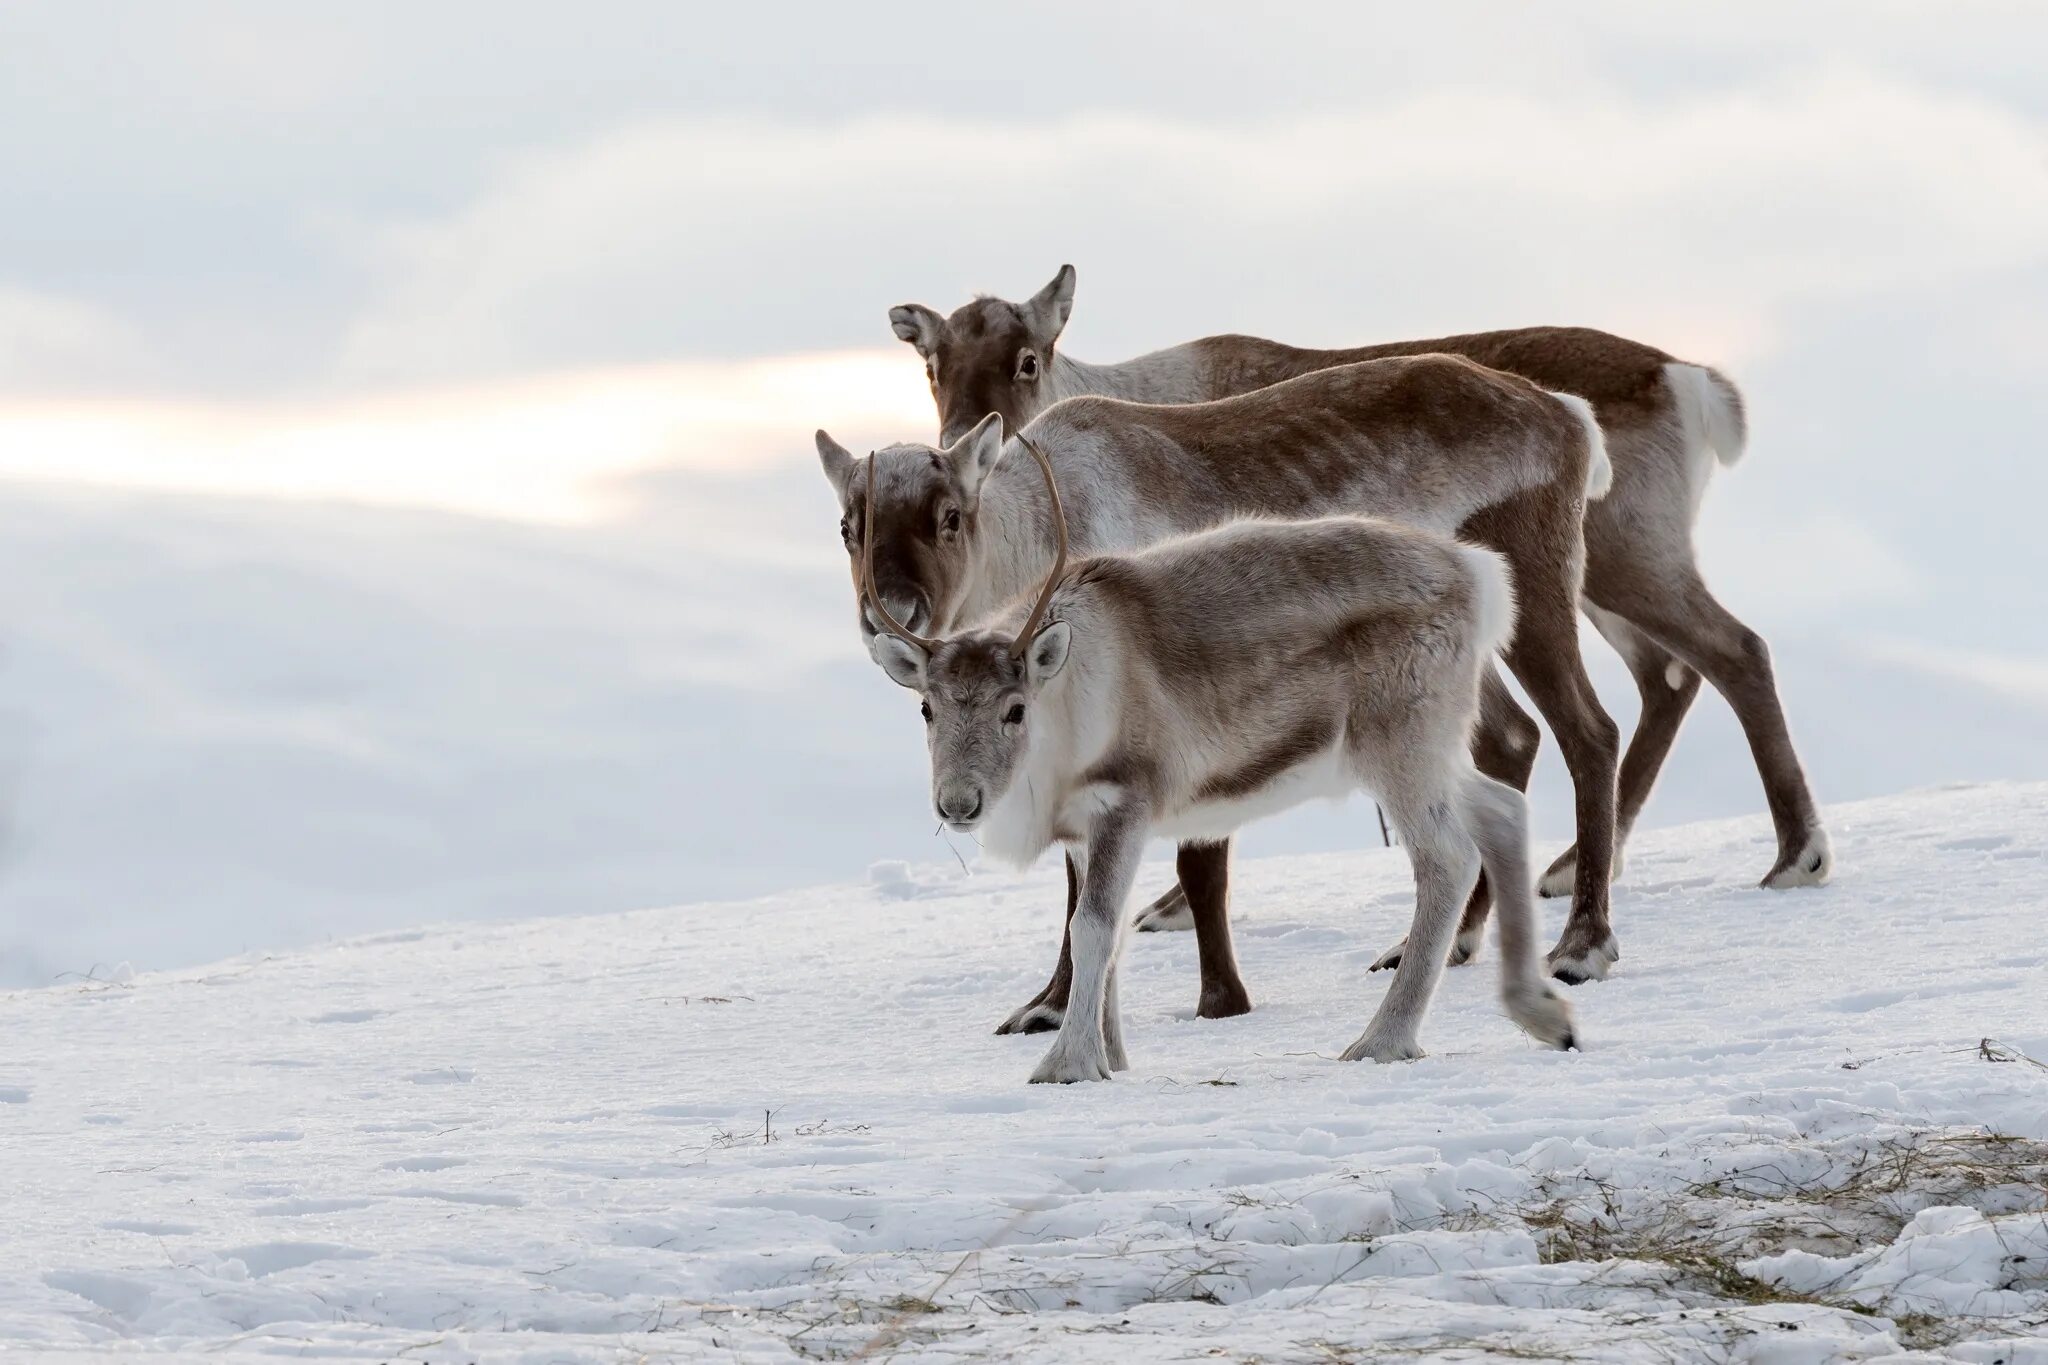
(784, 1130)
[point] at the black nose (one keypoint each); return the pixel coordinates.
(960, 805)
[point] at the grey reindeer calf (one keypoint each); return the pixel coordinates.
(1207, 681)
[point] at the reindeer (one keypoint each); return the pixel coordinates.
(1667, 424)
(1431, 441)
(1215, 678)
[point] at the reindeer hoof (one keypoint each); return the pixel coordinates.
(1032, 1018)
(1575, 961)
(1812, 865)
(1165, 919)
(1464, 948)
(1064, 1067)
(1225, 1002)
(1545, 1016)
(1383, 1048)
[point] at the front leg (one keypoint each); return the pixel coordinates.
(1109, 868)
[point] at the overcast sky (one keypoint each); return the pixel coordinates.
(593, 274)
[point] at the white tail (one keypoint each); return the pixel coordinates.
(1495, 588)
(1711, 409)
(1599, 472)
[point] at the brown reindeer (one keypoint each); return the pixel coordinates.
(1431, 441)
(1667, 423)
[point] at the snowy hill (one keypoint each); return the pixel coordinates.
(783, 1130)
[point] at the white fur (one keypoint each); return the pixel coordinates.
(1712, 418)
(1495, 587)
(1599, 470)
(1326, 776)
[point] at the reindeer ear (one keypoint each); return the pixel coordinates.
(975, 456)
(918, 325)
(839, 463)
(1047, 653)
(1049, 307)
(900, 659)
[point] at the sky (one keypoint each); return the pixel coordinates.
(405, 412)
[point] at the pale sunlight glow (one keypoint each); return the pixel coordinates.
(547, 448)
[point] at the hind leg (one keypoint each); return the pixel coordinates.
(1500, 825)
(1042, 1012)
(1167, 915)
(1446, 865)
(1504, 747)
(1679, 611)
(1545, 656)
(1205, 873)
(1667, 686)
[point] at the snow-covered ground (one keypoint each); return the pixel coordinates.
(783, 1129)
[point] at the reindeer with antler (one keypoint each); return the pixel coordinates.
(1431, 441)
(1207, 681)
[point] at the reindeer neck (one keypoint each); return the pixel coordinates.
(1168, 376)
(1018, 542)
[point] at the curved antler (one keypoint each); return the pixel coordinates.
(867, 571)
(1059, 563)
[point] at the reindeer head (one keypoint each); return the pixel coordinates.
(918, 509)
(990, 356)
(978, 687)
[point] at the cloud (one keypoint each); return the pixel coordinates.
(50, 341)
(561, 447)
(2017, 678)
(1705, 222)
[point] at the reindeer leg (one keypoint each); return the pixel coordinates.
(1545, 656)
(1667, 687)
(1042, 1012)
(1205, 874)
(1504, 747)
(1082, 1051)
(1500, 825)
(1687, 619)
(1446, 863)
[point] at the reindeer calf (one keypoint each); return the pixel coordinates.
(1197, 685)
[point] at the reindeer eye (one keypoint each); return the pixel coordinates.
(952, 521)
(925, 708)
(1027, 366)
(1015, 715)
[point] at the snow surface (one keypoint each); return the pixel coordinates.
(783, 1129)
